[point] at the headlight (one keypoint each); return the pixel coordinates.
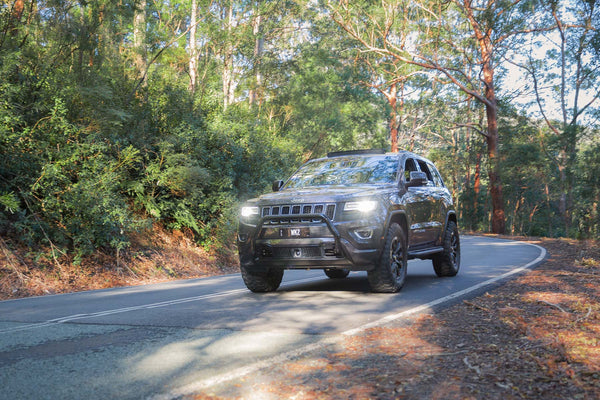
(360, 206)
(249, 211)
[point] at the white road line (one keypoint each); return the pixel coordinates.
(119, 311)
(284, 357)
(75, 317)
(449, 297)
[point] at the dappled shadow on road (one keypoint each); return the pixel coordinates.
(355, 282)
(189, 340)
(535, 337)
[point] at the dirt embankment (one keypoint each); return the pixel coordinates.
(156, 256)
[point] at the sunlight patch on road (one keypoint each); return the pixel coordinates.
(168, 359)
(317, 346)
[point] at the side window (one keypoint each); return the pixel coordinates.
(425, 168)
(437, 179)
(409, 166)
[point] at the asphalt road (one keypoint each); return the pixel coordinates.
(168, 339)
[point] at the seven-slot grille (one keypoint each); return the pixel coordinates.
(296, 211)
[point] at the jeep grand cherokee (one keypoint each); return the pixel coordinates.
(363, 210)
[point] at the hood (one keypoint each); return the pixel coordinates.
(324, 194)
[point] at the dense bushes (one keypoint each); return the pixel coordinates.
(82, 169)
(100, 139)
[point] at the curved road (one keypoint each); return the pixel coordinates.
(176, 337)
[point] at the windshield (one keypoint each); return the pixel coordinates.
(346, 171)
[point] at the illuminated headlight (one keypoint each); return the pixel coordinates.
(361, 206)
(249, 211)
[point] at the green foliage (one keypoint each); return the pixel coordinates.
(587, 178)
(93, 150)
(327, 107)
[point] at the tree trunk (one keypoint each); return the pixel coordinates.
(193, 64)
(259, 44)
(228, 59)
(477, 183)
(139, 39)
(498, 218)
(492, 136)
(393, 118)
(16, 15)
(548, 208)
(562, 201)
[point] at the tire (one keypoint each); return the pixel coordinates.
(389, 274)
(447, 263)
(336, 273)
(262, 281)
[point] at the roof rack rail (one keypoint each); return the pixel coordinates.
(355, 152)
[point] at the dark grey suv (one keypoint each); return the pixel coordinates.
(362, 210)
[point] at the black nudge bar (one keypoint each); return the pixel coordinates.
(322, 217)
(336, 234)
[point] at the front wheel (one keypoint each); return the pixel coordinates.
(262, 281)
(389, 274)
(447, 263)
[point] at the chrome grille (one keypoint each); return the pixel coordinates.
(297, 211)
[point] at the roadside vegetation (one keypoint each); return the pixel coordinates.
(131, 130)
(125, 125)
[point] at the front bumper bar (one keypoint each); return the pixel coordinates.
(334, 251)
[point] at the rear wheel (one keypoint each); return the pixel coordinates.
(262, 281)
(336, 273)
(390, 273)
(447, 263)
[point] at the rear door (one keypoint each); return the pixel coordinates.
(434, 218)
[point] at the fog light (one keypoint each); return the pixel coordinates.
(364, 234)
(242, 237)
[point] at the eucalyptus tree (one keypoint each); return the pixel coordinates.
(394, 81)
(238, 39)
(139, 38)
(311, 89)
(192, 47)
(566, 85)
(463, 41)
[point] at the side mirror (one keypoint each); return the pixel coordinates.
(277, 185)
(417, 178)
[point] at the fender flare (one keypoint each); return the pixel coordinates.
(402, 214)
(450, 215)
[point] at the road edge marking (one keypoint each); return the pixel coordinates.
(166, 303)
(287, 356)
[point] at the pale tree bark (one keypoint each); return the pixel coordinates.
(259, 44)
(193, 48)
(227, 76)
(139, 39)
